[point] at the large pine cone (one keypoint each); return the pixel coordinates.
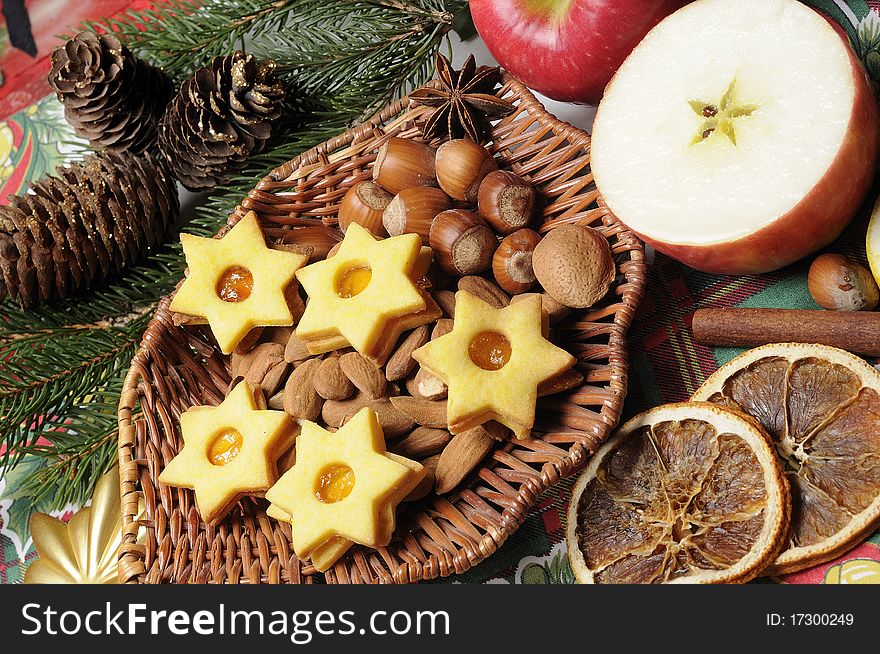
(110, 97)
(75, 230)
(220, 116)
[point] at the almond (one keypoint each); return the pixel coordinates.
(426, 413)
(235, 361)
(257, 363)
(364, 374)
(249, 341)
(554, 310)
(330, 382)
(401, 362)
(431, 464)
(464, 453)
(276, 402)
(296, 350)
(484, 290)
(336, 413)
(429, 386)
(274, 378)
(411, 386)
(569, 379)
(446, 300)
(442, 327)
(422, 442)
(424, 487)
(280, 335)
(301, 400)
(294, 248)
(260, 399)
(183, 319)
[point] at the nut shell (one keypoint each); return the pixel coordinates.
(413, 210)
(460, 167)
(402, 163)
(512, 262)
(506, 201)
(838, 283)
(462, 242)
(364, 204)
(574, 265)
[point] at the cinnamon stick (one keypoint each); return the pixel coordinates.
(854, 331)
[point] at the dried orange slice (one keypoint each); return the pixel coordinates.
(821, 406)
(684, 493)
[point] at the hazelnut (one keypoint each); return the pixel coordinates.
(402, 163)
(461, 165)
(574, 265)
(505, 201)
(512, 262)
(462, 242)
(413, 210)
(363, 204)
(838, 283)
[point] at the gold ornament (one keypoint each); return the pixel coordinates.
(84, 550)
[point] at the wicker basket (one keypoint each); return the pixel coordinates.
(438, 536)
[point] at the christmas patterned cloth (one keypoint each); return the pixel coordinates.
(666, 364)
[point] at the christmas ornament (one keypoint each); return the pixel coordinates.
(82, 551)
(110, 97)
(464, 101)
(221, 116)
(92, 220)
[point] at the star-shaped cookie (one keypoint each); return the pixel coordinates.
(386, 289)
(363, 511)
(515, 358)
(384, 346)
(229, 451)
(242, 251)
(326, 554)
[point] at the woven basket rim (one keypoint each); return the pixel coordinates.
(528, 492)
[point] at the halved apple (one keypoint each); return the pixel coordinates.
(739, 135)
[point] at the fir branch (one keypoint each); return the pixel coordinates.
(48, 372)
(64, 362)
(79, 453)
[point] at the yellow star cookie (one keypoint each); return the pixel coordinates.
(326, 554)
(492, 361)
(343, 484)
(357, 291)
(236, 282)
(229, 451)
(384, 346)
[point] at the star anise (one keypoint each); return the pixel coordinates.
(466, 98)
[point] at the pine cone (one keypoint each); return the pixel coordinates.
(110, 97)
(220, 116)
(74, 230)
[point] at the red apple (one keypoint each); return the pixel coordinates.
(566, 49)
(738, 137)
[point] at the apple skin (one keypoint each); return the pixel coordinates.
(817, 219)
(571, 57)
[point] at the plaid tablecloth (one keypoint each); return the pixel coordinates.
(667, 365)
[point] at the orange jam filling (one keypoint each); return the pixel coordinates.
(225, 447)
(235, 285)
(353, 281)
(490, 350)
(335, 484)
